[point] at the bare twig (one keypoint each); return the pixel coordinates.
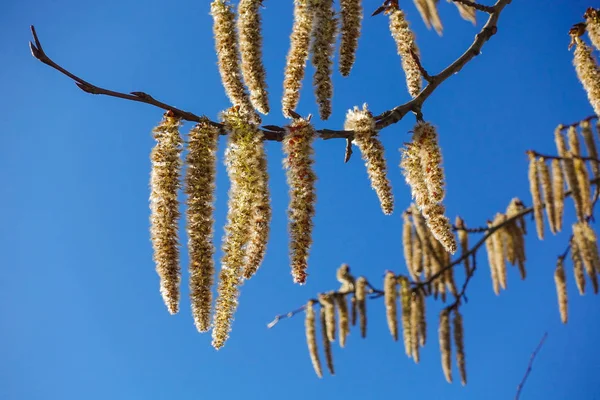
(477, 6)
(529, 366)
(576, 124)
(549, 157)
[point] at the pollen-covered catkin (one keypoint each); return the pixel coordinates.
(228, 56)
(463, 239)
(352, 14)
(592, 26)
(298, 162)
(297, 56)
(536, 196)
(413, 171)
(344, 325)
(422, 327)
(592, 244)
(250, 38)
(544, 173)
(200, 187)
(573, 140)
(440, 227)
(445, 346)
(407, 244)
(558, 191)
(390, 298)
(459, 344)
(577, 267)
(426, 139)
(491, 255)
(407, 50)
(569, 171)
(361, 294)
(588, 73)
(328, 305)
(583, 182)
(311, 338)
(325, 340)
(499, 254)
(415, 317)
(516, 236)
(406, 304)
(322, 48)
(590, 145)
(164, 208)
(588, 250)
(372, 151)
(561, 290)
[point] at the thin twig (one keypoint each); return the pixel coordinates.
(477, 6)
(529, 366)
(576, 124)
(549, 157)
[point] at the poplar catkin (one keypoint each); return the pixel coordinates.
(573, 140)
(297, 56)
(588, 250)
(164, 208)
(536, 197)
(590, 145)
(558, 190)
(491, 255)
(577, 267)
(514, 237)
(445, 346)
(592, 241)
(407, 50)
(328, 305)
(322, 48)
(311, 338)
(406, 304)
(592, 22)
(561, 290)
(352, 15)
(415, 317)
(298, 162)
(459, 344)
(361, 289)
(569, 170)
(583, 182)
(325, 340)
(422, 326)
(588, 73)
(407, 244)
(200, 187)
(499, 254)
(390, 298)
(343, 322)
(436, 22)
(463, 239)
(372, 151)
(544, 173)
(466, 12)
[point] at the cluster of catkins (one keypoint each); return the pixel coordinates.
(585, 62)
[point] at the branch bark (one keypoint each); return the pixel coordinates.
(530, 365)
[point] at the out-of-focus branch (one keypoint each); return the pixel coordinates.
(530, 365)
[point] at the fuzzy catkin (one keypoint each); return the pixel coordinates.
(445, 346)
(592, 22)
(463, 239)
(459, 344)
(250, 38)
(372, 151)
(407, 245)
(343, 323)
(352, 14)
(390, 298)
(297, 56)
(346, 279)
(544, 174)
(298, 162)
(561, 290)
(491, 255)
(592, 240)
(498, 243)
(361, 289)
(466, 12)
(426, 139)
(588, 250)
(407, 50)
(406, 304)
(325, 340)
(436, 22)
(164, 208)
(558, 190)
(536, 196)
(573, 140)
(311, 338)
(415, 317)
(516, 237)
(583, 182)
(328, 305)
(577, 267)
(569, 171)
(588, 73)
(322, 49)
(200, 187)
(590, 145)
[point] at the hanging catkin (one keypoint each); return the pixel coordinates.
(592, 241)
(200, 187)
(390, 298)
(463, 239)
(372, 151)
(573, 140)
(407, 245)
(516, 236)
(297, 56)
(561, 290)
(536, 196)
(569, 170)
(344, 326)
(588, 73)
(459, 344)
(466, 12)
(588, 250)
(407, 50)
(577, 267)
(558, 190)
(590, 145)
(406, 303)
(351, 13)
(436, 22)
(592, 26)
(361, 289)
(415, 317)
(298, 162)
(328, 305)
(445, 346)
(499, 254)
(583, 182)
(164, 207)
(311, 338)
(491, 255)
(325, 340)
(544, 174)
(322, 48)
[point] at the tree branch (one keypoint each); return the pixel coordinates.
(529, 366)
(477, 6)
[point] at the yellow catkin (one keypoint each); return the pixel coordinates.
(445, 345)
(417, 255)
(200, 187)
(491, 255)
(423, 8)
(228, 56)
(372, 151)
(499, 254)
(439, 225)
(516, 237)
(298, 162)
(250, 38)
(544, 174)
(592, 245)
(558, 191)
(325, 340)
(322, 48)
(311, 338)
(407, 244)
(536, 196)
(407, 50)
(463, 239)
(588, 73)
(352, 14)
(390, 298)
(573, 140)
(466, 12)
(361, 295)
(459, 344)
(426, 139)
(415, 318)
(561, 290)
(413, 171)
(588, 250)
(328, 305)
(583, 181)
(569, 171)
(343, 322)
(590, 145)
(577, 267)
(424, 248)
(164, 208)
(592, 22)
(436, 22)
(345, 278)
(297, 56)
(406, 304)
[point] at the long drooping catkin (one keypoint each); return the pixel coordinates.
(573, 140)
(558, 191)
(422, 327)
(577, 267)
(250, 38)
(590, 145)
(583, 182)
(228, 55)
(544, 174)
(343, 323)
(592, 26)
(561, 290)
(413, 171)
(325, 340)
(200, 187)
(415, 318)
(297, 56)
(459, 344)
(426, 139)
(407, 50)
(588, 250)
(463, 239)
(436, 22)
(407, 245)
(569, 170)
(499, 253)
(352, 13)
(298, 162)
(361, 294)
(445, 346)
(322, 49)
(466, 12)
(491, 255)
(390, 298)
(328, 305)
(164, 208)
(536, 196)
(372, 151)
(588, 73)
(515, 237)
(592, 245)
(406, 303)
(311, 338)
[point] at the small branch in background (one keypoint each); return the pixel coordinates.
(549, 157)
(529, 366)
(469, 230)
(477, 6)
(576, 124)
(422, 69)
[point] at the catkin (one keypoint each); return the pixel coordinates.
(322, 48)
(588, 250)
(311, 338)
(328, 305)
(592, 244)
(561, 290)
(577, 267)
(352, 14)
(164, 208)
(407, 244)
(499, 254)
(298, 162)
(390, 297)
(592, 22)
(406, 304)
(413, 171)
(463, 239)
(558, 190)
(590, 145)
(588, 73)
(436, 22)
(466, 12)
(343, 323)
(426, 139)
(325, 339)
(228, 56)
(544, 174)
(200, 187)
(407, 50)
(445, 346)
(516, 237)
(361, 289)
(459, 343)
(583, 182)
(415, 318)
(297, 56)
(346, 279)
(491, 255)
(536, 196)
(372, 151)
(573, 140)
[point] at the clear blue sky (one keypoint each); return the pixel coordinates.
(80, 312)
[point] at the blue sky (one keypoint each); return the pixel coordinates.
(81, 316)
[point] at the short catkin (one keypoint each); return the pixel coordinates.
(588, 72)
(322, 48)
(561, 290)
(351, 13)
